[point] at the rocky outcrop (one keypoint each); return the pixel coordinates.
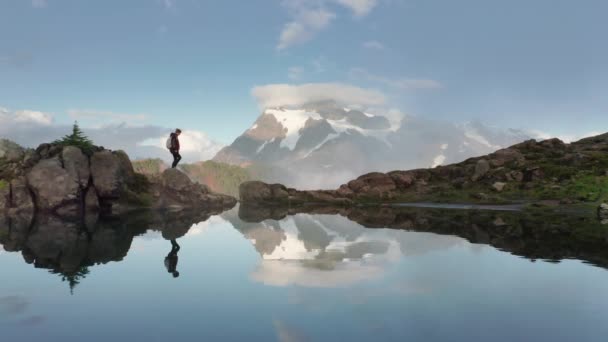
(77, 165)
(15, 196)
(255, 191)
(65, 181)
(109, 174)
(530, 171)
(10, 151)
(178, 191)
(53, 187)
(272, 194)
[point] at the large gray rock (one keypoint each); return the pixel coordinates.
(10, 151)
(52, 185)
(373, 183)
(178, 191)
(77, 165)
(91, 201)
(175, 180)
(255, 191)
(5, 196)
(109, 174)
(128, 172)
(21, 198)
(481, 169)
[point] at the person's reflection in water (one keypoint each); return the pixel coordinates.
(171, 259)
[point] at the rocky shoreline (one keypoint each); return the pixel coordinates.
(548, 173)
(65, 181)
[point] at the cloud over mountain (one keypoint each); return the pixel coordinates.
(277, 95)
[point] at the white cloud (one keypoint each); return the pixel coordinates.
(277, 95)
(39, 3)
(360, 8)
(31, 128)
(288, 273)
(400, 83)
(103, 117)
(31, 116)
(567, 138)
(305, 25)
(309, 17)
(294, 73)
(195, 145)
(373, 45)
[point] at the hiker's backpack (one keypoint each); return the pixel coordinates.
(168, 143)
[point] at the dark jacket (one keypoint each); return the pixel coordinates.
(174, 142)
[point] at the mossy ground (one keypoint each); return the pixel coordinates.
(3, 184)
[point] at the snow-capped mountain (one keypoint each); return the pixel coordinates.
(324, 145)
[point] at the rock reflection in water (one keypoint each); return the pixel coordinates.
(331, 247)
(70, 248)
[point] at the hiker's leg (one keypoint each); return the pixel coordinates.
(176, 158)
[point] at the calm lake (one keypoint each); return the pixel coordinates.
(251, 274)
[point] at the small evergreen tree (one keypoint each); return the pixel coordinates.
(78, 139)
(72, 279)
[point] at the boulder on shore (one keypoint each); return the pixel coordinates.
(109, 174)
(52, 185)
(178, 191)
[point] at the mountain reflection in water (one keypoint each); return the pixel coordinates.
(314, 239)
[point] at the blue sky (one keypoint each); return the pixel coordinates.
(537, 65)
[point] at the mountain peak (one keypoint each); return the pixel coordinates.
(322, 144)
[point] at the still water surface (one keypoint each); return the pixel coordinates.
(305, 277)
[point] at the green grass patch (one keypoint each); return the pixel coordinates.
(219, 177)
(3, 184)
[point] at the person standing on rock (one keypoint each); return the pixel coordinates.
(173, 146)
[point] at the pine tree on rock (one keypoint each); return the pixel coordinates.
(77, 139)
